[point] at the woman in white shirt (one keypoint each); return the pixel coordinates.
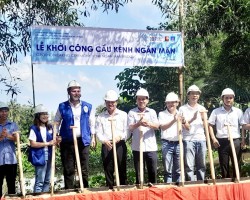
(41, 142)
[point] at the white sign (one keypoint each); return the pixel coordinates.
(102, 46)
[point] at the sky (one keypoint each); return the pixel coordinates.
(51, 80)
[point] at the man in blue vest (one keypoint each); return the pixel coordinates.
(75, 112)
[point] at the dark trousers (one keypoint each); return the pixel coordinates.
(9, 172)
(69, 162)
(225, 152)
(108, 163)
(150, 159)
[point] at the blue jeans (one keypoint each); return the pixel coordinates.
(171, 161)
(195, 159)
(42, 179)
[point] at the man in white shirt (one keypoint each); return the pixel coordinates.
(169, 137)
(246, 126)
(146, 118)
(220, 117)
(194, 140)
(104, 135)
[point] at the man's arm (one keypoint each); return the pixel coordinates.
(153, 123)
(92, 129)
(243, 134)
(211, 132)
(132, 124)
(58, 119)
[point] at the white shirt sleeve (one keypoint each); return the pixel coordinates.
(32, 135)
(92, 122)
(125, 131)
(246, 117)
(212, 118)
(58, 119)
(99, 130)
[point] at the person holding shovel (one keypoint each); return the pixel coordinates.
(220, 118)
(112, 116)
(246, 126)
(75, 113)
(169, 137)
(194, 139)
(8, 160)
(143, 122)
(41, 142)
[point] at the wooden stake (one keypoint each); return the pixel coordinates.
(141, 153)
(236, 166)
(77, 158)
(53, 159)
(210, 153)
(20, 162)
(179, 129)
(117, 178)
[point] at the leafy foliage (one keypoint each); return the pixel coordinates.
(16, 17)
(157, 80)
(227, 22)
(216, 46)
(23, 116)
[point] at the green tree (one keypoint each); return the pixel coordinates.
(157, 80)
(230, 67)
(216, 44)
(23, 116)
(16, 17)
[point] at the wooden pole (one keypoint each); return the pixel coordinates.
(236, 166)
(179, 129)
(20, 162)
(210, 153)
(141, 153)
(53, 159)
(180, 73)
(77, 158)
(117, 178)
(33, 85)
(180, 69)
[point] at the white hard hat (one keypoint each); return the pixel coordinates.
(142, 92)
(227, 91)
(193, 88)
(40, 109)
(3, 105)
(171, 97)
(73, 84)
(111, 95)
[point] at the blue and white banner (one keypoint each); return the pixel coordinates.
(103, 46)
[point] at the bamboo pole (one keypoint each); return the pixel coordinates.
(180, 69)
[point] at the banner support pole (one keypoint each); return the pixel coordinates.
(180, 69)
(33, 85)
